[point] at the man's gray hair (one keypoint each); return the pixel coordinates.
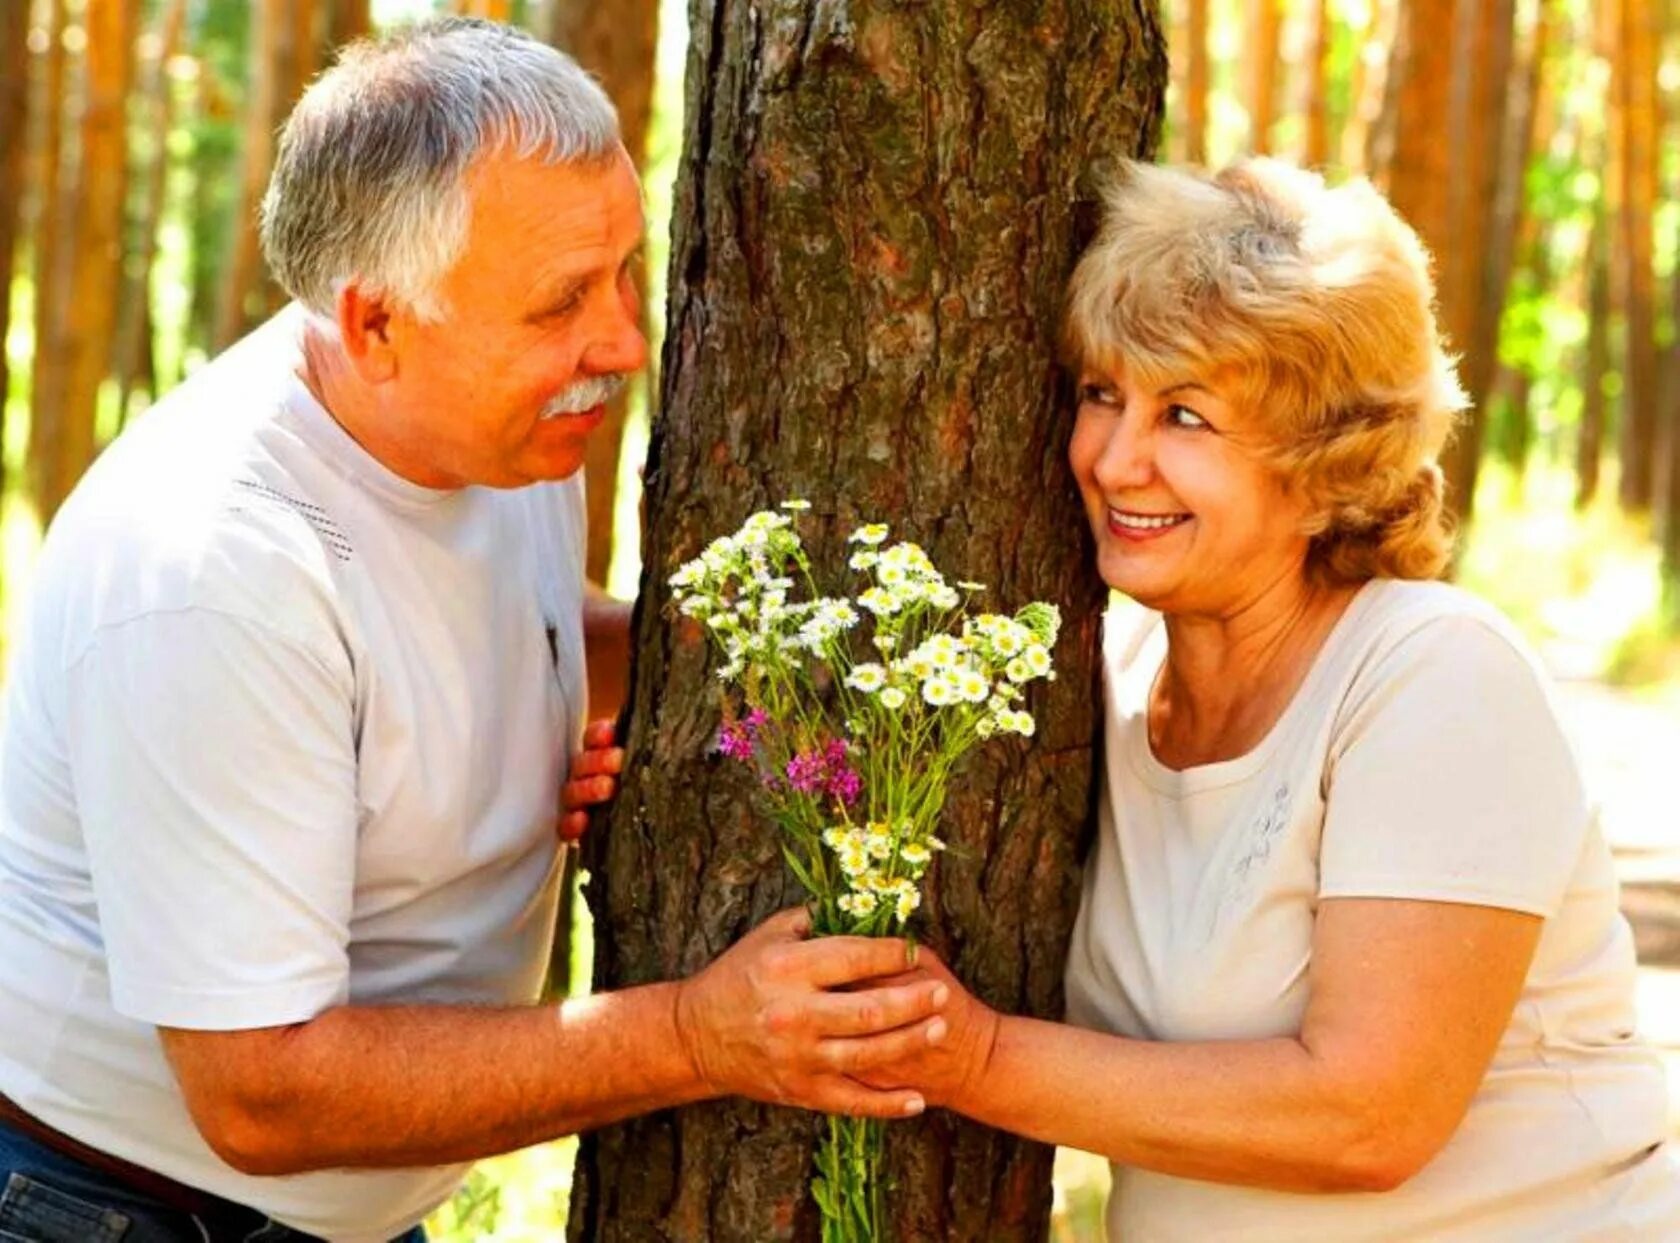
(369, 182)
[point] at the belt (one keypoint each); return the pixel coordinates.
(149, 1183)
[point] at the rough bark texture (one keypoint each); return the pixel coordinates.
(617, 44)
(878, 206)
(14, 107)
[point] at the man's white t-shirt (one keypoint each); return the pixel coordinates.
(284, 732)
(1420, 759)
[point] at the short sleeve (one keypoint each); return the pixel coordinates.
(1451, 778)
(215, 776)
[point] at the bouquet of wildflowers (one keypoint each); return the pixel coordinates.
(853, 741)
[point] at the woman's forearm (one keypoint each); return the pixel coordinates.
(1265, 1113)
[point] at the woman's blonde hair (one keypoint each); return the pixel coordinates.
(1312, 308)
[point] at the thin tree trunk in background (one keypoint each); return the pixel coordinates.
(1498, 218)
(1196, 75)
(1479, 110)
(1668, 481)
(14, 150)
(1635, 76)
(132, 344)
(351, 19)
(96, 263)
(876, 214)
(52, 252)
(1315, 103)
(1265, 26)
(1367, 138)
(494, 10)
(270, 36)
(617, 44)
(1416, 106)
(619, 47)
(1589, 451)
(297, 61)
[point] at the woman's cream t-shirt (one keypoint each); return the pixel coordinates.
(1420, 759)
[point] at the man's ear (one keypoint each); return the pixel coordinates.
(365, 328)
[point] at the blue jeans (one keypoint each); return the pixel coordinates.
(49, 1198)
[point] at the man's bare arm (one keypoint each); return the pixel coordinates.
(369, 1086)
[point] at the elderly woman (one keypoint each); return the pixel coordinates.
(1348, 964)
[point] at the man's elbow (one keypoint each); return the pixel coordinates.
(242, 1139)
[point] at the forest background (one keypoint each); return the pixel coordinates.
(1534, 143)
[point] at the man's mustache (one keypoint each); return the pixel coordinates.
(585, 395)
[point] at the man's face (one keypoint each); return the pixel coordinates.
(540, 300)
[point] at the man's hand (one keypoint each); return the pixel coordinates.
(762, 1022)
(944, 1072)
(592, 780)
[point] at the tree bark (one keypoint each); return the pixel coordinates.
(617, 44)
(95, 263)
(877, 209)
(14, 148)
(1635, 76)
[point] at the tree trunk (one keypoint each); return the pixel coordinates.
(14, 148)
(132, 340)
(1635, 76)
(1196, 74)
(1265, 24)
(616, 44)
(1589, 450)
(89, 313)
(1491, 157)
(52, 251)
(269, 73)
(1367, 138)
(1315, 79)
(877, 209)
(1415, 162)
(350, 19)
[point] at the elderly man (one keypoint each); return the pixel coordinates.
(287, 729)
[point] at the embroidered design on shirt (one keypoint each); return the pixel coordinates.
(332, 535)
(1263, 835)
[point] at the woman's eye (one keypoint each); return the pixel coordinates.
(1096, 394)
(1183, 416)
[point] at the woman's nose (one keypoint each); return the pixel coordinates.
(1127, 459)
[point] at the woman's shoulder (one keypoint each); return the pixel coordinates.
(1428, 641)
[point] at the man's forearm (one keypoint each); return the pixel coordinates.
(372, 1086)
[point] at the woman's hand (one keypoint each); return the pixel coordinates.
(592, 780)
(950, 1069)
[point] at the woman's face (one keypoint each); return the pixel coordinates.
(1188, 517)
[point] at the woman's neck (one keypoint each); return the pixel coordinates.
(1229, 677)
